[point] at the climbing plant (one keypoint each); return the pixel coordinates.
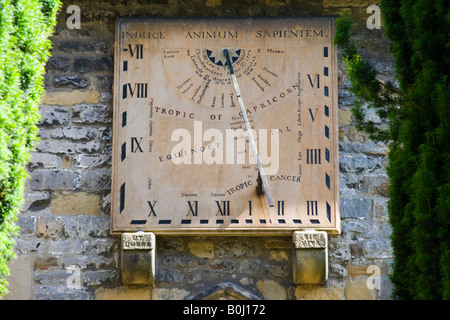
(417, 112)
(25, 28)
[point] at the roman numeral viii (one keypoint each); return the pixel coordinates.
(137, 90)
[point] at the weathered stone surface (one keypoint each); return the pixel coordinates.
(356, 207)
(138, 265)
(66, 222)
(85, 65)
(67, 246)
(37, 198)
(347, 3)
(271, 290)
(75, 82)
(357, 270)
(91, 161)
(20, 279)
(138, 241)
(56, 147)
(75, 133)
(96, 179)
(67, 98)
(310, 257)
(72, 46)
(313, 292)
(55, 180)
(91, 113)
(123, 293)
(45, 262)
(88, 147)
(202, 249)
(48, 227)
(352, 164)
(51, 115)
(58, 63)
(344, 117)
(169, 294)
(310, 240)
(75, 203)
(358, 290)
(43, 160)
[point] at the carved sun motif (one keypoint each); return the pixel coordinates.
(217, 56)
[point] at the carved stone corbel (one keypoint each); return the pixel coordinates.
(310, 257)
(138, 258)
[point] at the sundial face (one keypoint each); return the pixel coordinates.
(182, 156)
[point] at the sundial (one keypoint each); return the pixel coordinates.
(225, 126)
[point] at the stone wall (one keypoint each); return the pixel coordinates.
(65, 250)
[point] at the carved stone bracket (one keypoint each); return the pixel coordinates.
(310, 257)
(138, 258)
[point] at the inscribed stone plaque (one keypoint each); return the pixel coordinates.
(138, 241)
(182, 161)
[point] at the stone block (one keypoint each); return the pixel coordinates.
(75, 203)
(71, 46)
(123, 293)
(213, 3)
(45, 262)
(277, 2)
(35, 197)
(88, 147)
(202, 249)
(357, 270)
(19, 279)
(91, 161)
(359, 164)
(56, 63)
(56, 147)
(138, 258)
(86, 65)
(75, 133)
(43, 160)
(105, 82)
(358, 290)
(68, 98)
(48, 227)
(96, 180)
(53, 116)
(345, 117)
(356, 207)
(169, 294)
(310, 257)
(314, 292)
(91, 113)
(54, 180)
(27, 225)
(271, 290)
(65, 247)
(348, 3)
(86, 226)
(75, 82)
(278, 244)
